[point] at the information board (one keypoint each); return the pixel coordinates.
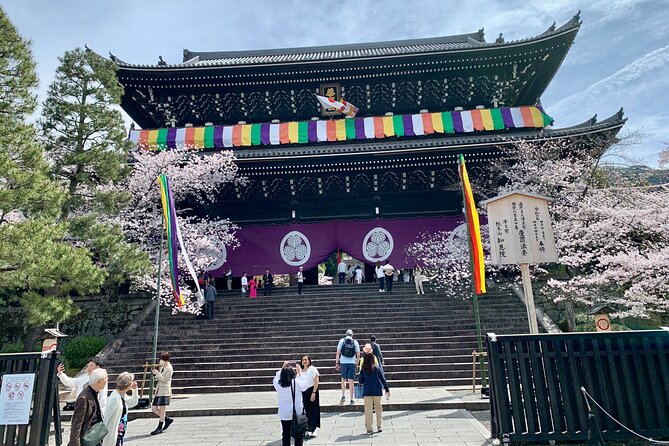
(520, 230)
(16, 398)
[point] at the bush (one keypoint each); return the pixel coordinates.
(79, 350)
(12, 347)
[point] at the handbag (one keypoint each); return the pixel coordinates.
(359, 393)
(94, 434)
(97, 431)
(300, 424)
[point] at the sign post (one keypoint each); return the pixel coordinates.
(520, 234)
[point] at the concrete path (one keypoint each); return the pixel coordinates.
(408, 428)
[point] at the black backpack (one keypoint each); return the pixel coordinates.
(348, 348)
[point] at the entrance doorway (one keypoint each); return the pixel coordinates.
(328, 270)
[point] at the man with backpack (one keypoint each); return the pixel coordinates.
(348, 355)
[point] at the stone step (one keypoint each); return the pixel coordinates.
(231, 348)
(425, 382)
(278, 358)
(426, 339)
(319, 363)
(313, 345)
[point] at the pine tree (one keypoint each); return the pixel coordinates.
(83, 132)
(38, 271)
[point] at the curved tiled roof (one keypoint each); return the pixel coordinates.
(194, 59)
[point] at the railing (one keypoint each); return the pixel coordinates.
(44, 398)
(536, 385)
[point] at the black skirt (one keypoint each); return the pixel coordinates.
(161, 401)
(312, 409)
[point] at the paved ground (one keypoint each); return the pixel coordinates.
(402, 398)
(249, 418)
(410, 428)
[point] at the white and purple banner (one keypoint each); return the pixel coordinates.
(284, 248)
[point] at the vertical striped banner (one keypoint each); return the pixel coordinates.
(350, 128)
(237, 135)
(284, 137)
(274, 138)
(321, 131)
(303, 132)
(388, 126)
(427, 123)
(378, 127)
(293, 133)
(209, 137)
(246, 135)
(398, 125)
(340, 126)
(255, 134)
(198, 137)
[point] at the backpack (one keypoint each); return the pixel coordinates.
(348, 348)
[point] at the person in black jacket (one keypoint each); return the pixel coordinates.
(376, 349)
(373, 382)
(268, 281)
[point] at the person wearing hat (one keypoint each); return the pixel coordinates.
(300, 280)
(348, 355)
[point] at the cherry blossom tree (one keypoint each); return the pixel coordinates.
(195, 178)
(612, 234)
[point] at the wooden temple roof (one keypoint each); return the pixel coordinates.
(437, 74)
(469, 41)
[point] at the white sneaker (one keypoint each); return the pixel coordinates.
(380, 291)
(314, 434)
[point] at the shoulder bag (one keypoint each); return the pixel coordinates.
(97, 431)
(300, 423)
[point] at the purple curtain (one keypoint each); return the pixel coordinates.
(284, 248)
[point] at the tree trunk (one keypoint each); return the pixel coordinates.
(30, 338)
(570, 316)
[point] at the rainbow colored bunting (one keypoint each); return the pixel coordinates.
(175, 241)
(473, 229)
(302, 132)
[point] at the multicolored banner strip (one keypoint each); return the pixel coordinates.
(175, 241)
(473, 229)
(332, 130)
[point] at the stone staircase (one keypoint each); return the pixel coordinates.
(426, 340)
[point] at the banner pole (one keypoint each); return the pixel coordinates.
(156, 319)
(477, 316)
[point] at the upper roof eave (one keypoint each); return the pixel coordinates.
(435, 45)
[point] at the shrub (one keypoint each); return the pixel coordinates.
(12, 347)
(79, 350)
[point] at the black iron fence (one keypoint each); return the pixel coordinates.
(45, 399)
(536, 385)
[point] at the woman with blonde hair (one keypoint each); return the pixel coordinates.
(116, 411)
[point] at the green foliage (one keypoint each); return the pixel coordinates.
(38, 270)
(83, 132)
(331, 265)
(85, 140)
(79, 350)
(12, 347)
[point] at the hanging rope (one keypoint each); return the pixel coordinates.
(650, 440)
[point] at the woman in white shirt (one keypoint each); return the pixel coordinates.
(116, 412)
(289, 384)
(310, 397)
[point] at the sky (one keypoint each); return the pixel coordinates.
(620, 57)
